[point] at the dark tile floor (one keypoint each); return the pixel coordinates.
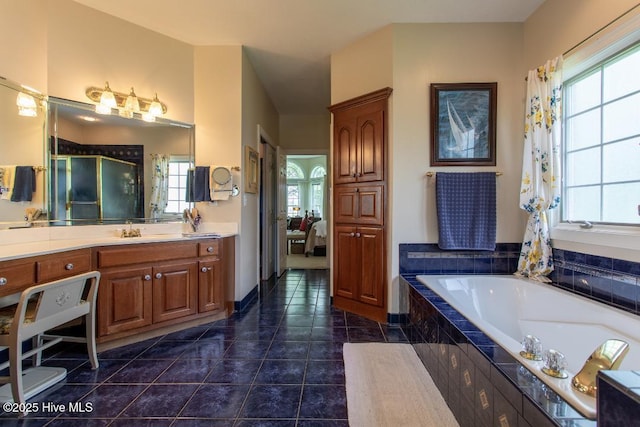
(278, 363)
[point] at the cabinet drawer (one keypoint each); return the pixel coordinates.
(140, 254)
(209, 248)
(16, 278)
(64, 265)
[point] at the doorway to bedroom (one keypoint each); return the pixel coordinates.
(307, 209)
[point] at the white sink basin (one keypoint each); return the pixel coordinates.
(201, 235)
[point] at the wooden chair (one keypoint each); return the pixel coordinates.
(42, 308)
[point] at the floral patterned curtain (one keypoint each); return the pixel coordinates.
(159, 184)
(540, 188)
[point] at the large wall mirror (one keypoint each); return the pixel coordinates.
(103, 168)
(23, 190)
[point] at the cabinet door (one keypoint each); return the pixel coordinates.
(124, 300)
(370, 145)
(344, 140)
(346, 263)
(359, 205)
(175, 291)
(371, 247)
(210, 286)
(346, 204)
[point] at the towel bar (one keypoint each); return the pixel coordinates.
(431, 173)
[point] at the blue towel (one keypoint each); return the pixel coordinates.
(466, 205)
(198, 185)
(24, 184)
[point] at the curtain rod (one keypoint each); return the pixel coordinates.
(589, 37)
(586, 39)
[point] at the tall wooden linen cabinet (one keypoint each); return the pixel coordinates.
(359, 204)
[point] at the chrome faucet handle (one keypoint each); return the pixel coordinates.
(555, 364)
(531, 348)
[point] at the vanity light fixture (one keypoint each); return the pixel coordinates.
(155, 109)
(127, 104)
(131, 105)
(107, 100)
(27, 105)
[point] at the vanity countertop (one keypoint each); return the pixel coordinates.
(48, 240)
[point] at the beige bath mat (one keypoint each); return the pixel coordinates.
(387, 385)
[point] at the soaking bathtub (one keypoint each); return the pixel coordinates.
(507, 308)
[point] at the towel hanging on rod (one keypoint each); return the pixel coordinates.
(432, 173)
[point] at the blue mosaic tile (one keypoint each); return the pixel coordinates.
(599, 262)
(626, 267)
(482, 265)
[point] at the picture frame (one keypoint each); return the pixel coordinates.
(251, 172)
(463, 124)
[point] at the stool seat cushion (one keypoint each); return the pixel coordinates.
(7, 314)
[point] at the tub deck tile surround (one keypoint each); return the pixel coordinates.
(433, 324)
(621, 402)
(607, 280)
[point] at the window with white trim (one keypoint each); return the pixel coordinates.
(177, 195)
(293, 200)
(295, 175)
(601, 143)
(318, 175)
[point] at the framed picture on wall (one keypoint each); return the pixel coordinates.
(251, 165)
(463, 124)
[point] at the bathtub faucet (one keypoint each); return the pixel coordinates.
(531, 348)
(607, 356)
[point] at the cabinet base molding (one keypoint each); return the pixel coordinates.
(131, 337)
(379, 314)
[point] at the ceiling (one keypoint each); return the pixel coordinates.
(289, 42)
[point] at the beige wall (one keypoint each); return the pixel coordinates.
(257, 110)
(230, 103)
(86, 48)
(450, 53)
(69, 47)
(558, 25)
(305, 132)
(421, 54)
(23, 31)
(362, 67)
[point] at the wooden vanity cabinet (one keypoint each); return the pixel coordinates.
(147, 286)
(20, 274)
(212, 274)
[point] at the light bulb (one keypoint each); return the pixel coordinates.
(132, 104)
(107, 98)
(155, 109)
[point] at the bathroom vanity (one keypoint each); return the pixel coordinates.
(147, 286)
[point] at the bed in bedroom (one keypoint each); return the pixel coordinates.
(316, 242)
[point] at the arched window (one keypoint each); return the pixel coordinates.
(318, 172)
(294, 171)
